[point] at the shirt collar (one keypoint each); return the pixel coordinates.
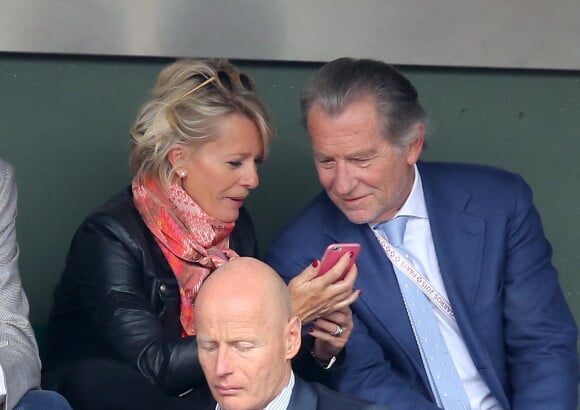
(282, 400)
(415, 204)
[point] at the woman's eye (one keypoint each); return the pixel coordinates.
(235, 164)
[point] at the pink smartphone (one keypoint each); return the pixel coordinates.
(334, 252)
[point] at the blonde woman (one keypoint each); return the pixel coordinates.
(122, 330)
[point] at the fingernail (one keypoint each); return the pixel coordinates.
(350, 254)
(310, 330)
(315, 263)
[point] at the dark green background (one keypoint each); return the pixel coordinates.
(64, 124)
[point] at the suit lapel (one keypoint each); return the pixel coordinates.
(381, 305)
(458, 238)
(459, 244)
(303, 397)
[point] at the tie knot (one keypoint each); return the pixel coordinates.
(395, 230)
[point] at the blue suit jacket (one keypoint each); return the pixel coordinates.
(497, 270)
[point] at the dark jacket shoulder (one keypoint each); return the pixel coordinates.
(316, 396)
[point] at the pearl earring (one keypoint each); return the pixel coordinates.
(182, 173)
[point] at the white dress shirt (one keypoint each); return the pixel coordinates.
(281, 401)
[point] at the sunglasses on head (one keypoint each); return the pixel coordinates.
(227, 81)
(222, 79)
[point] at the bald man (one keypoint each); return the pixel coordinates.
(247, 337)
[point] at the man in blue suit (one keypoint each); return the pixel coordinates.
(472, 233)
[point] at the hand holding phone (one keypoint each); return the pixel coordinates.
(334, 252)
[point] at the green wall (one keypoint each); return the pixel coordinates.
(64, 122)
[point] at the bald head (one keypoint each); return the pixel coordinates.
(246, 335)
(246, 277)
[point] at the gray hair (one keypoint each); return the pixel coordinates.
(341, 82)
(178, 113)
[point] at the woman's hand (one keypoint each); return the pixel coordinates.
(315, 296)
(331, 333)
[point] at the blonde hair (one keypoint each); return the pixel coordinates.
(178, 113)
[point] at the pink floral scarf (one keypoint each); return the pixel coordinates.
(193, 243)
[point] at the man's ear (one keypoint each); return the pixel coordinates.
(293, 337)
(415, 148)
(177, 155)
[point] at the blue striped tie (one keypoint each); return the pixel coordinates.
(445, 383)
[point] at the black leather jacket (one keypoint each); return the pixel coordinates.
(118, 298)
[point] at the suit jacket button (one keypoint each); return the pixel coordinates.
(163, 288)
